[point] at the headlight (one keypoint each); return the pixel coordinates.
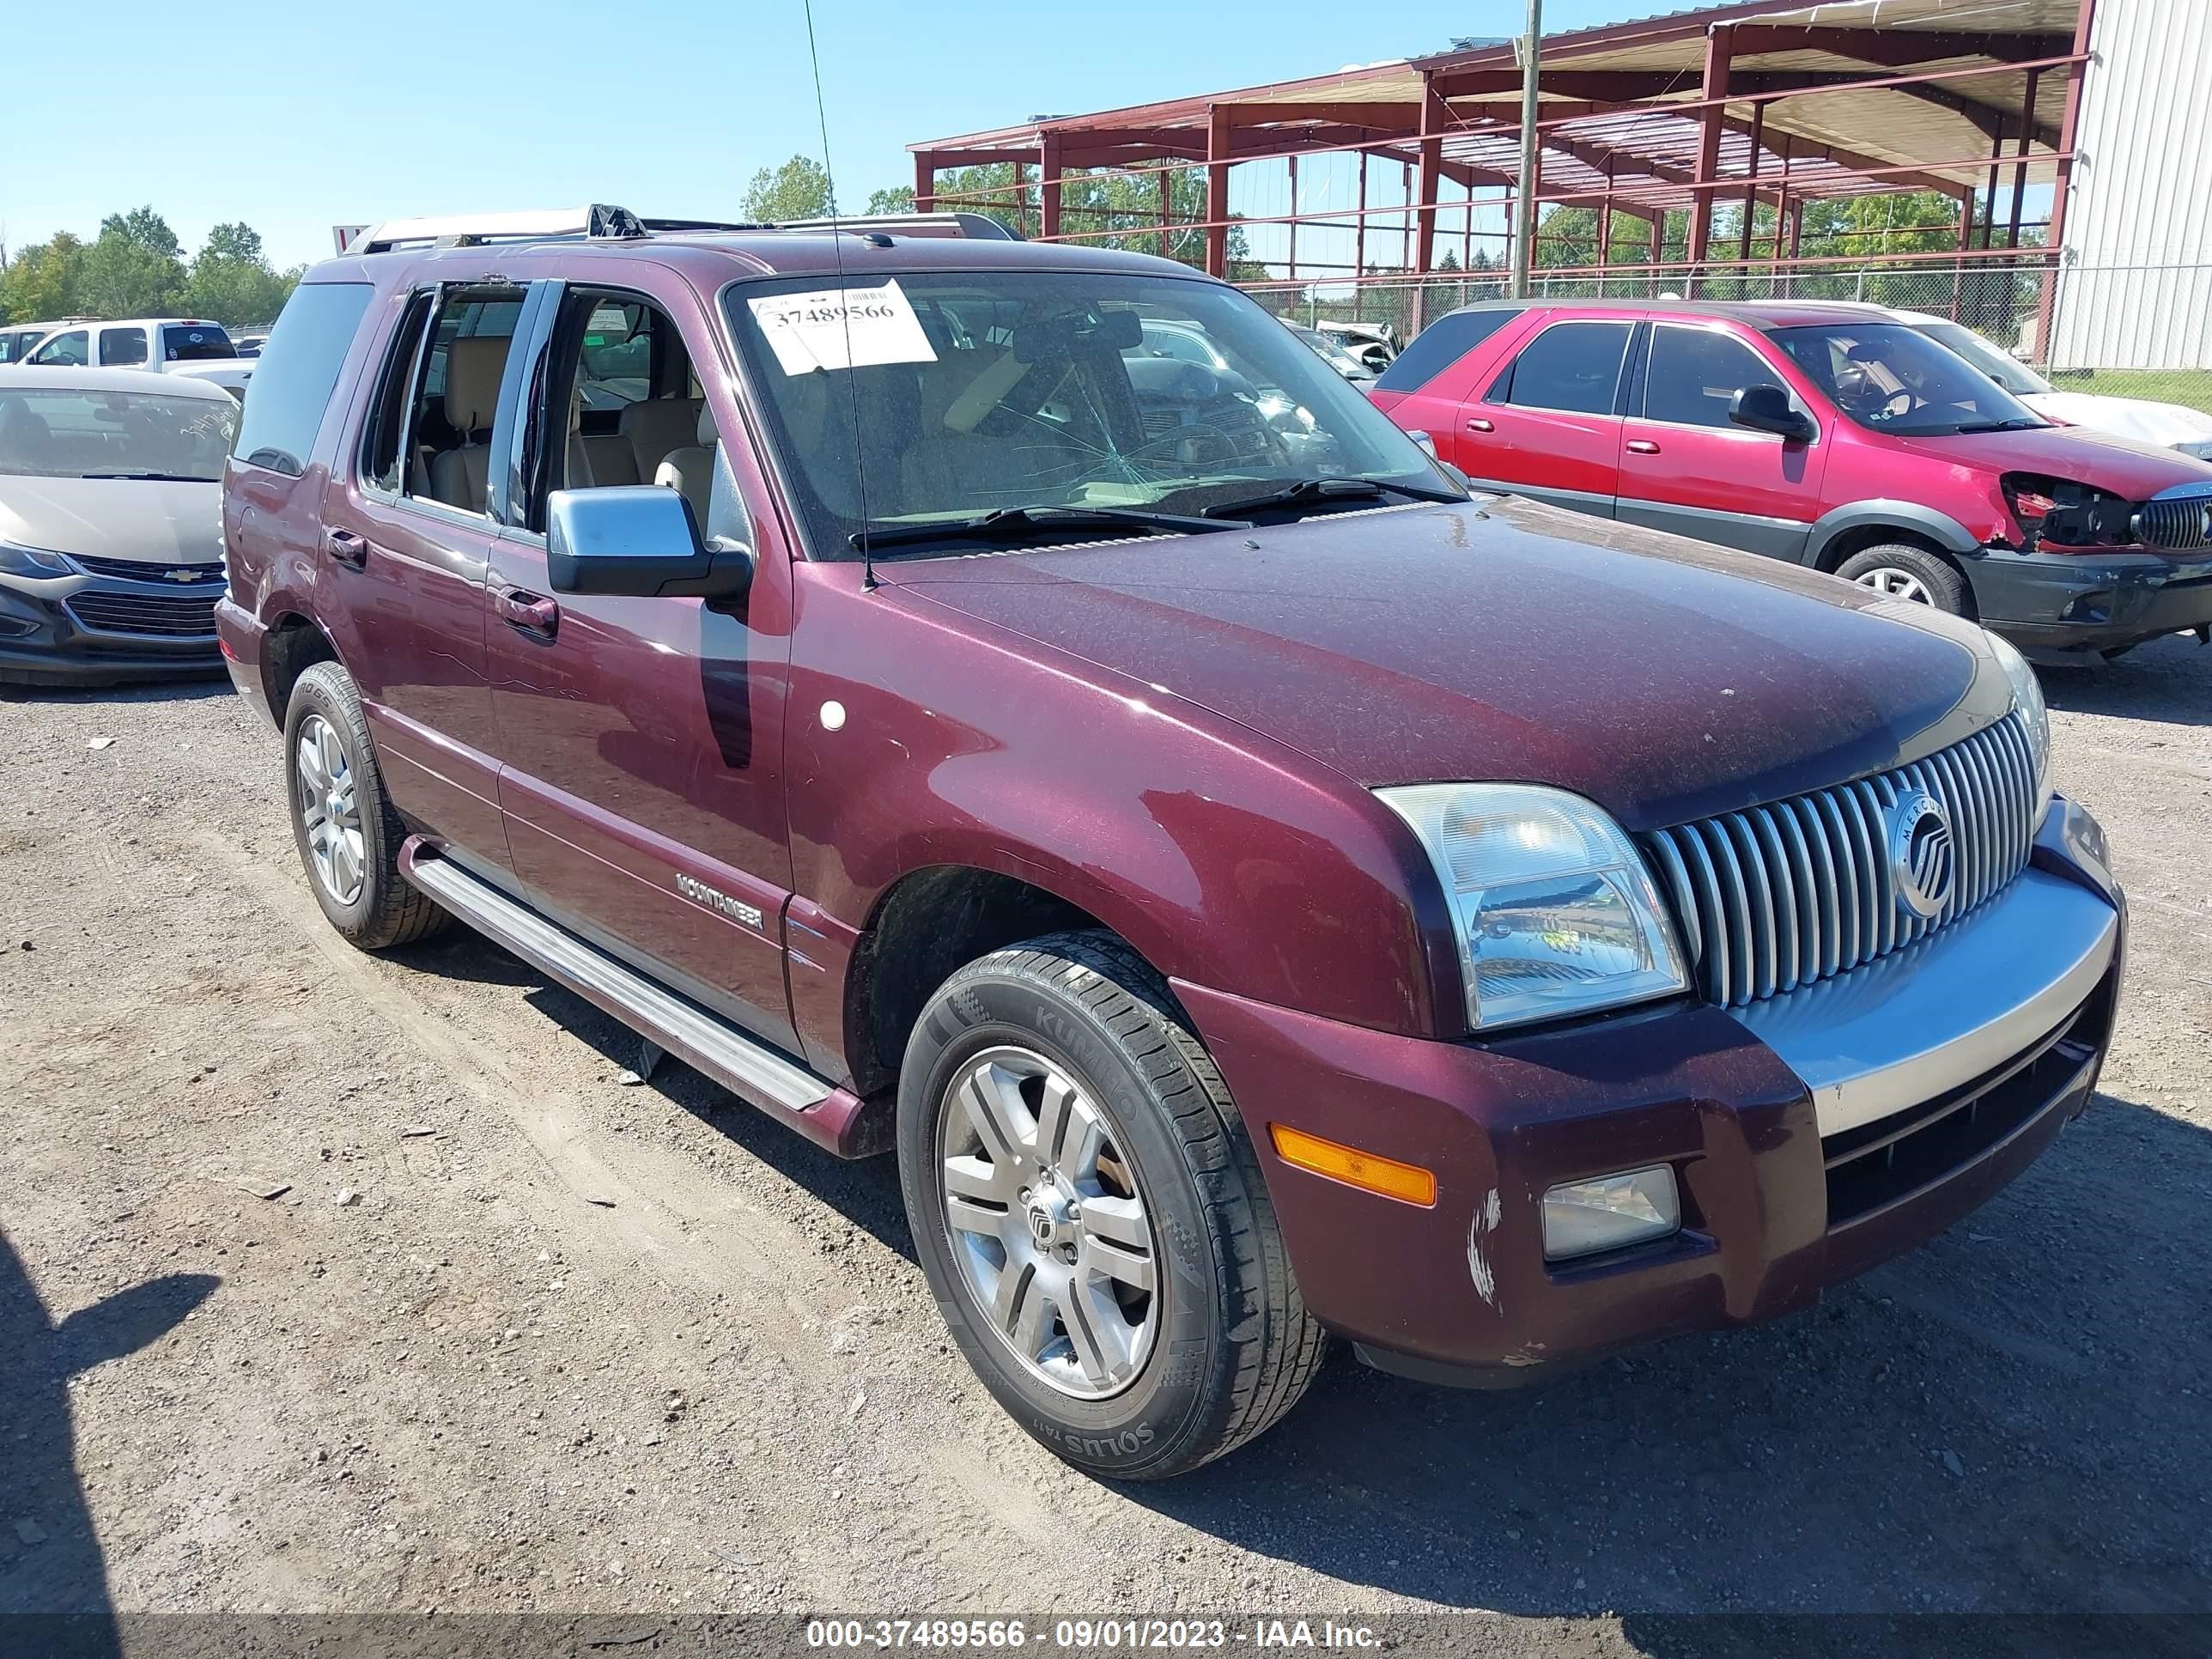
(33, 561)
(2035, 718)
(1555, 911)
(2201, 448)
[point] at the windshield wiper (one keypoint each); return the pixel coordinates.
(1998, 426)
(1317, 492)
(1017, 523)
(152, 477)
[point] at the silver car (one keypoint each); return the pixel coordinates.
(111, 524)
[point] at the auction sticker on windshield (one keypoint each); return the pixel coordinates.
(842, 328)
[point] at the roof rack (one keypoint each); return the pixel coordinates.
(602, 222)
(975, 227)
(599, 221)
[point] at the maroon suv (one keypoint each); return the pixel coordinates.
(1831, 435)
(1258, 892)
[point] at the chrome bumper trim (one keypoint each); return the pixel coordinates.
(1919, 1022)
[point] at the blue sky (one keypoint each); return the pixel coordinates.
(294, 117)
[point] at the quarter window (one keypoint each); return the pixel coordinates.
(120, 347)
(1575, 367)
(298, 370)
(1440, 345)
(1696, 373)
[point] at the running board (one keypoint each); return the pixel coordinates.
(834, 1118)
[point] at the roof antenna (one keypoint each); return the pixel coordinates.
(844, 313)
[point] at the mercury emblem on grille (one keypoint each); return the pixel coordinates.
(1920, 854)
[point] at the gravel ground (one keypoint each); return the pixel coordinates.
(333, 1283)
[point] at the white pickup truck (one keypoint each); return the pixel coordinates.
(173, 345)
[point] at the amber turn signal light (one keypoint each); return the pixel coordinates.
(1369, 1171)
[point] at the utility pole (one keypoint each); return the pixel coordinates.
(1524, 200)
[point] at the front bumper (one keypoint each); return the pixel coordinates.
(2067, 607)
(50, 632)
(1799, 1167)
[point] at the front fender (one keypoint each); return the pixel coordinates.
(1225, 859)
(1941, 528)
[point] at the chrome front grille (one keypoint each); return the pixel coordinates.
(2179, 524)
(183, 574)
(1782, 895)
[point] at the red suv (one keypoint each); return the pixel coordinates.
(1258, 892)
(1830, 436)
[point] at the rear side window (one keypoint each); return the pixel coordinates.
(187, 343)
(384, 447)
(1574, 366)
(1696, 373)
(120, 347)
(297, 372)
(1442, 343)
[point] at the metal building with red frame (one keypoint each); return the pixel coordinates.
(1767, 104)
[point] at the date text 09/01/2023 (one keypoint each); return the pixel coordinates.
(1087, 1634)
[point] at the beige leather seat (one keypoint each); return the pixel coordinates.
(474, 366)
(653, 427)
(690, 471)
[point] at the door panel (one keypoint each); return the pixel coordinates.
(1685, 467)
(636, 792)
(411, 571)
(1549, 427)
(643, 785)
(417, 603)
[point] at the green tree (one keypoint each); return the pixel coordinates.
(1103, 209)
(40, 282)
(231, 280)
(134, 269)
(799, 189)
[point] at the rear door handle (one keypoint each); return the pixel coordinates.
(1642, 446)
(346, 547)
(527, 611)
(1478, 424)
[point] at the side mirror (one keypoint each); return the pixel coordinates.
(1767, 408)
(638, 540)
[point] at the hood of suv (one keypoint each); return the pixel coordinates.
(1510, 641)
(135, 519)
(2123, 466)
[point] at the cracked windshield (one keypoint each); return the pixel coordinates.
(1056, 407)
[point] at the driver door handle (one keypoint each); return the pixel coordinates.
(1642, 446)
(527, 611)
(1478, 424)
(346, 547)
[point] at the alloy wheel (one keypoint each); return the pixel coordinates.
(329, 808)
(1047, 1224)
(1897, 583)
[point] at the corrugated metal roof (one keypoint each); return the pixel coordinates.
(1941, 131)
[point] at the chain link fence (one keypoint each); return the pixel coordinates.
(2136, 331)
